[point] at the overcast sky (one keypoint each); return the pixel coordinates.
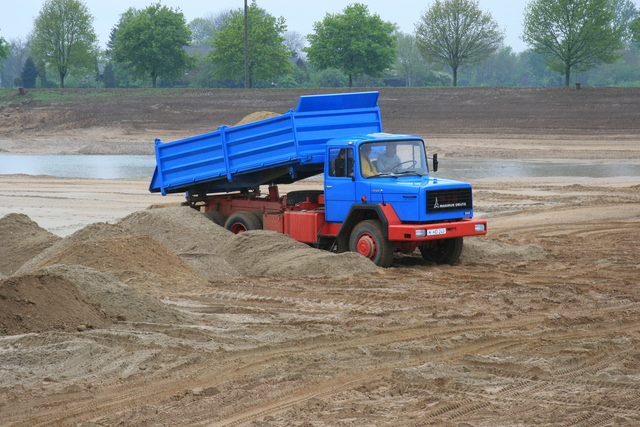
(16, 16)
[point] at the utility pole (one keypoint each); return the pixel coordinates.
(247, 80)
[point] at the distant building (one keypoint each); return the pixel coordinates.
(299, 63)
(199, 50)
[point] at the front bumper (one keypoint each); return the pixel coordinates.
(442, 230)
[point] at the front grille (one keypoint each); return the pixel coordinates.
(455, 199)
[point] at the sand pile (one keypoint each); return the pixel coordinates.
(22, 239)
(188, 234)
(107, 290)
(139, 248)
(121, 267)
(137, 260)
(215, 253)
(268, 253)
(44, 302)
(96, 231)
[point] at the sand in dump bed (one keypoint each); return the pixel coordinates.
(107, 290)
(254, 117)
(22, 239)
(45, 302)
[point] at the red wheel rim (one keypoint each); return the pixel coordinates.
(238, 228)
(367, 246)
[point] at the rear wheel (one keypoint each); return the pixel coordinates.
(443, 251)
(258, 215)
(239, 222)
(217, 217)
(367, 239)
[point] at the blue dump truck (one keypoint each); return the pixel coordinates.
(379, 196)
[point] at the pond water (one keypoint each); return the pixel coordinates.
(475, 169)
(119, 166)
(80, 166)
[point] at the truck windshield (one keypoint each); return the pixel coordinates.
(395, 158)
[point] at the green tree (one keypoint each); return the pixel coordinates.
(572, 35)
(329, 77)
(503, 68)
(4, 54)
(268, 55)
(109, 76)
(29, 74)
(635, 30)
(455, 33)
(150, 42)
(63, 37)
(354, 42)
(4, 50)
(409, 64)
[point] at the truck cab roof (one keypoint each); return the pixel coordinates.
(353, 140)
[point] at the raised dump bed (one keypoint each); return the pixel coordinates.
(281, 149)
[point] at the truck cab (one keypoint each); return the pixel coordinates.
(384, 179)
(377, 164)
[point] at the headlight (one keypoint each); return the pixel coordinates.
(480, 228)
(422, 233)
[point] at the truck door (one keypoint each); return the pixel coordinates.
(339, 184)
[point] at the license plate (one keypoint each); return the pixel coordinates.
(436, 232)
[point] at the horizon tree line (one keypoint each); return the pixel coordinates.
(353, 47)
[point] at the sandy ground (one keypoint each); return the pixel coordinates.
(169, 321)
(538, 325)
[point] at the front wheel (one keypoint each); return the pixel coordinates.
(367, 239)
(239, 222)
(443, 251)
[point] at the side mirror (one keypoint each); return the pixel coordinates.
(435, 162)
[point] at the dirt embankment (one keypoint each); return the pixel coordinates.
(488, 122)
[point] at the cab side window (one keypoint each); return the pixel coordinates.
(341, 162)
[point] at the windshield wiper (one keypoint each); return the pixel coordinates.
(416, 173)
(396, 174)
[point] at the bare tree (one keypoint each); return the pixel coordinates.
(203, 29)
(295, 42)
(624, 14)
(12, 66)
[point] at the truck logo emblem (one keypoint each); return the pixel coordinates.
(436, 205)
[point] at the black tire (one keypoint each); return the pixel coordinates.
(443, 251)
(217, 217)
(239, 222)
(367, 239)
(258, 215)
